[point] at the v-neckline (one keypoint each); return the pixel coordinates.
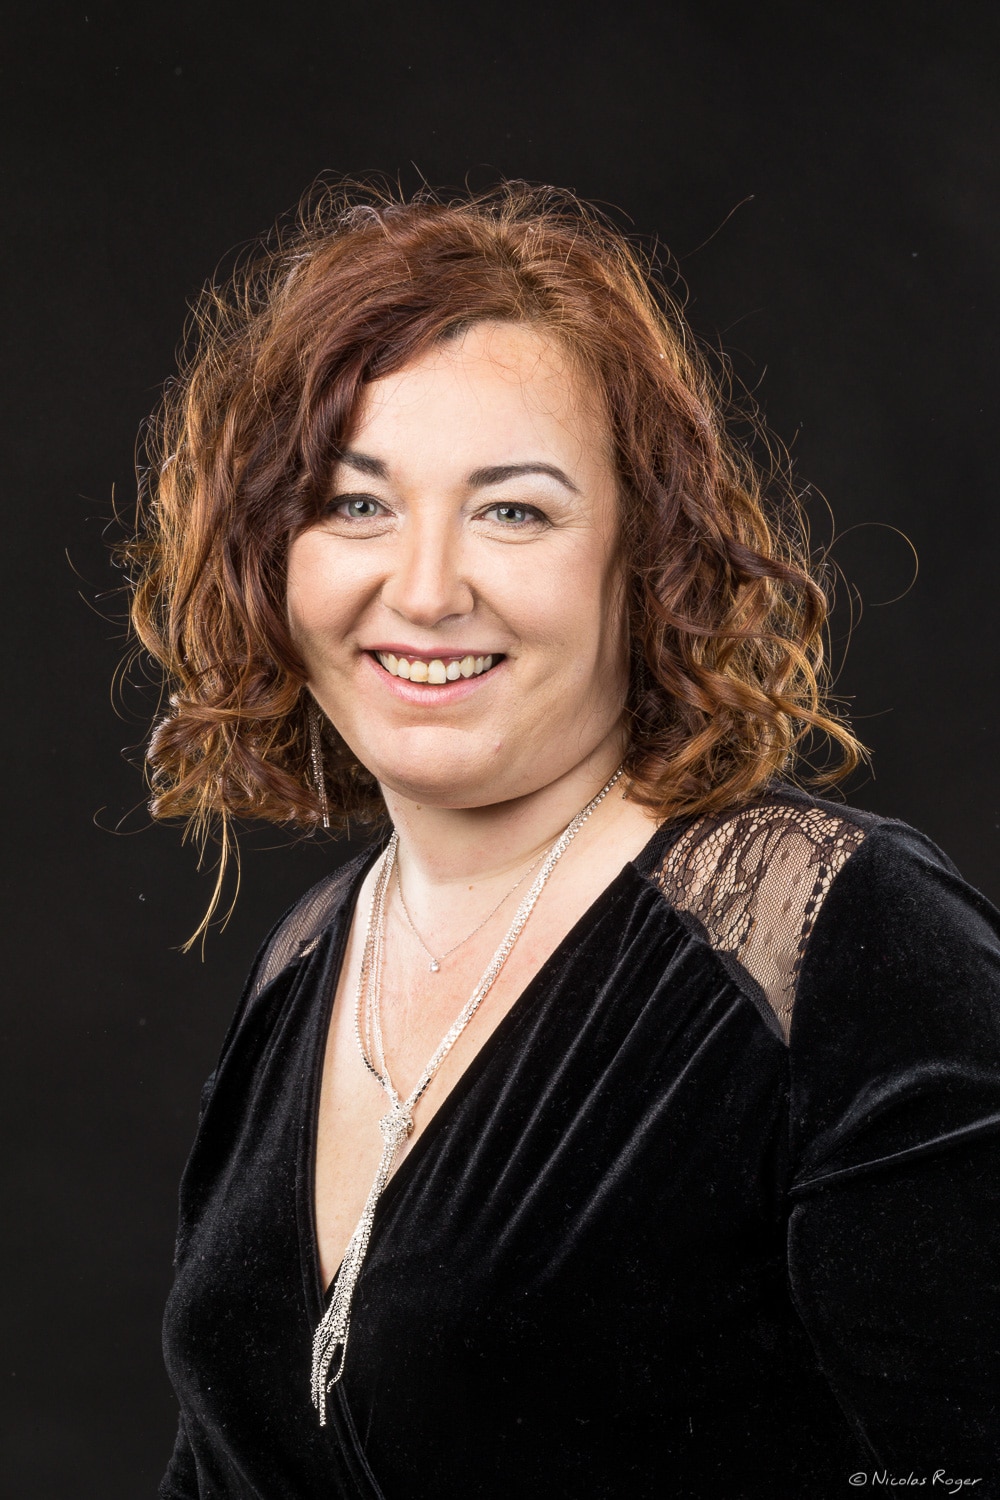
(331, 959)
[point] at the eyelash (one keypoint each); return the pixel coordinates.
(530, 513)
(334, 506)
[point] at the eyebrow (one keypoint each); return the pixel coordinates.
(497, 473)
(364, 463)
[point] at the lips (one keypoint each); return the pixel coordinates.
(435, 670)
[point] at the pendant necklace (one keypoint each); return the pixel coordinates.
(436, 962)
(330, 1338)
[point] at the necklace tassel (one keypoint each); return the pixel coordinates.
(330, 1338)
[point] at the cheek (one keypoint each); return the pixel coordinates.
(572, 615)
(301, 595)
(583, 600)
(318, 596)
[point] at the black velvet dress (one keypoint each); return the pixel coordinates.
(713, 1212)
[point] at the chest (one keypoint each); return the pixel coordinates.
(603, 1175)
(418, 1007)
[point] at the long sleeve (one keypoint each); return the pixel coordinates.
(894, 1229)
(180, 1482)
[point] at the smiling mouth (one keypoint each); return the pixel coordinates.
(434, 670)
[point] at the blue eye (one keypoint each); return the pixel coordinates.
(514, 515)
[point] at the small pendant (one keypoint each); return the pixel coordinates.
(434, 966)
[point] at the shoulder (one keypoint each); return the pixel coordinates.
(788, 886)
(755, 878)
(299, 929)
(895, 1040)
(282, 953)
(877, 962)
(902, 970)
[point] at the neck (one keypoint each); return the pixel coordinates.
(441, 847)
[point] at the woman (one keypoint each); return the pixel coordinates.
(619, 1124)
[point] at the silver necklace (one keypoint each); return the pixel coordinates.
(330, 1338)
(436, 962)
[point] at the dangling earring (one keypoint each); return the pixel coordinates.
(316, 756)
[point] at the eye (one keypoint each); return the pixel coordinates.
(511, 515)
(355, 507)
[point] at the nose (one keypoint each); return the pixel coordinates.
(426, 584)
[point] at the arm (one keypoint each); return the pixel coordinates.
(893, 1230)
(180, 1482)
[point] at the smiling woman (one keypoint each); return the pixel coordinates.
(448, 558)
(639, 1184)
(724, 617)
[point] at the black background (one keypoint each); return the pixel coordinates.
(855, 287)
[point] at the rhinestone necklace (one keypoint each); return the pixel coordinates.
(436, 962)
(330, 1338)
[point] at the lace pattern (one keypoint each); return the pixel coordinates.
(303, 927)
(756, 880)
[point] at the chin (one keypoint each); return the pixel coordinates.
(447, 774)
(441, 786)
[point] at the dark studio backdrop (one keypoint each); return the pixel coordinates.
(825, 173)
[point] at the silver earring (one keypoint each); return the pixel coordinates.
(316, 756)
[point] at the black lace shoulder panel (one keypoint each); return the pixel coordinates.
(300, 929)
(755, 880)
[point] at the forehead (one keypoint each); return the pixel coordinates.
(488, 395)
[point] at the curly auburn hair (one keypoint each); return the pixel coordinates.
(726, 613)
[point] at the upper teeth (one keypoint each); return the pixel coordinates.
(434, 670)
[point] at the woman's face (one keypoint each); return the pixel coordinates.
(457, 606)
